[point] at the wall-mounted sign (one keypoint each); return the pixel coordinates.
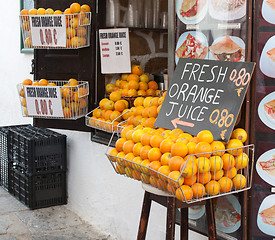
(114, 50)
(43, 101)
(48, 30)
(205, 95)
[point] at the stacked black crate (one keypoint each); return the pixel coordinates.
(37, 176)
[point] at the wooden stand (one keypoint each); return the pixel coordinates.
(171, 203)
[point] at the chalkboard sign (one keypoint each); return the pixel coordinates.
(205, 95)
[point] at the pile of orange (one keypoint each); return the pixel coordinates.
(145, 111)
(136, 83)
(76, 20)
(186, 166)
(110, 113)
(74, 96)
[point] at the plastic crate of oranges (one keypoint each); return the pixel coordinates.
(78, 22)
(73, 98)
(191, 168)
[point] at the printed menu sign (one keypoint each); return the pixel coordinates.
(205, 95)
(48, 30)
(43, 101)
(115, 50)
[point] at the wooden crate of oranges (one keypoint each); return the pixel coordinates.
(191, 168)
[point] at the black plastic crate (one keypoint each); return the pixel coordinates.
(4, 159)
(37, 150)
(38, 191)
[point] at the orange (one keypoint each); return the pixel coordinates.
(204, 178)
(71, 32)
(198, 190)
(156, 140)
(216, 163)
(120, 157)
(125, 114)
(144, 178)
(138, 110)
(119, 106)
(153, 181)
(143, 86)
(132, 76)
(188, 169)
(176, 132)
(57, 12)
(171, 188)
(85, 8)
(24, 12)
(184, 193)
(129, 172)
(165, 145)
(203, 149)
(129, 156)
(212, 188)
(21, 92)
(179, 149)
(226, 184)
(36, 84)
(241, 161)
(102, 102)
(144, 78)
(166, 133)
(43, 82)
(175, 179)
(144, 151)
(153, 85)
(150, 122)
(136, 69)
(109, 87)
(186, 136)
(136, 175)
(152, 111)
(154, 154)
(239, 134)
(150, 92)
(28, 42)
(129, 134)
(228, 161)
(191, 147)
(115, 96)
(120, 169)
(67, 112)
(128, 146)
(190, 181)
(136, 120)
(109, 105)
(26, 26)
(41, 11)
(217, 146)
(205, 136)
(75, 8)
(145, 163)
(137, 134)
(23, 102)
(230, 173)
(175, 163)
(203, 164)
(119, 144)
(161, 184)
(133, 84)
(141, 93)
(82, 103)
(155, 165)
(27, 82)
(165, 158)
(217, 175)
(138, 101)
(154, 101)
(239, 181)
(49, 11)
(124, 76)
(115, 116)
(194, 139)
(145, 112)
(234, 143)
(164, 170)
(132, 92)
(145, 138)
(51, 84)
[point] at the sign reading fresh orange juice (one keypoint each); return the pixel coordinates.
(205, 95)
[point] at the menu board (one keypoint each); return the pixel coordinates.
(213, 30)
(263, 205)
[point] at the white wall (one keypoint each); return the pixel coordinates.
(108, 201)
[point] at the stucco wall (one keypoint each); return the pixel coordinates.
(108, 201)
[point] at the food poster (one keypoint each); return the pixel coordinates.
(214, 30)
(263, 204)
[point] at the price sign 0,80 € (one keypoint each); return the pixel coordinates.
(43, 101)
(205, 95)
(48, 30)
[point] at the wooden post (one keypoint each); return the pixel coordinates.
(184, 223)
(210, 219)
(170, 222)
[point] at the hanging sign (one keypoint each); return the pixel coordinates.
(48, 30)
(43, 101)
(205, 95)
(114, 50)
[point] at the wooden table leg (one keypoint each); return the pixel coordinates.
(184, 223)
(209, 208)
(144, 216)
(170, 221)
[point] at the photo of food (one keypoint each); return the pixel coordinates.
(265, 167)
(266, 216)
(191, 44)
(191, 11)
(227, 10)
(268, 11)
(266, 110)
(228, 48)
(267, 59)
(227, 213)
(196, 212)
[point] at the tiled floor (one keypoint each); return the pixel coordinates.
(17, 222)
